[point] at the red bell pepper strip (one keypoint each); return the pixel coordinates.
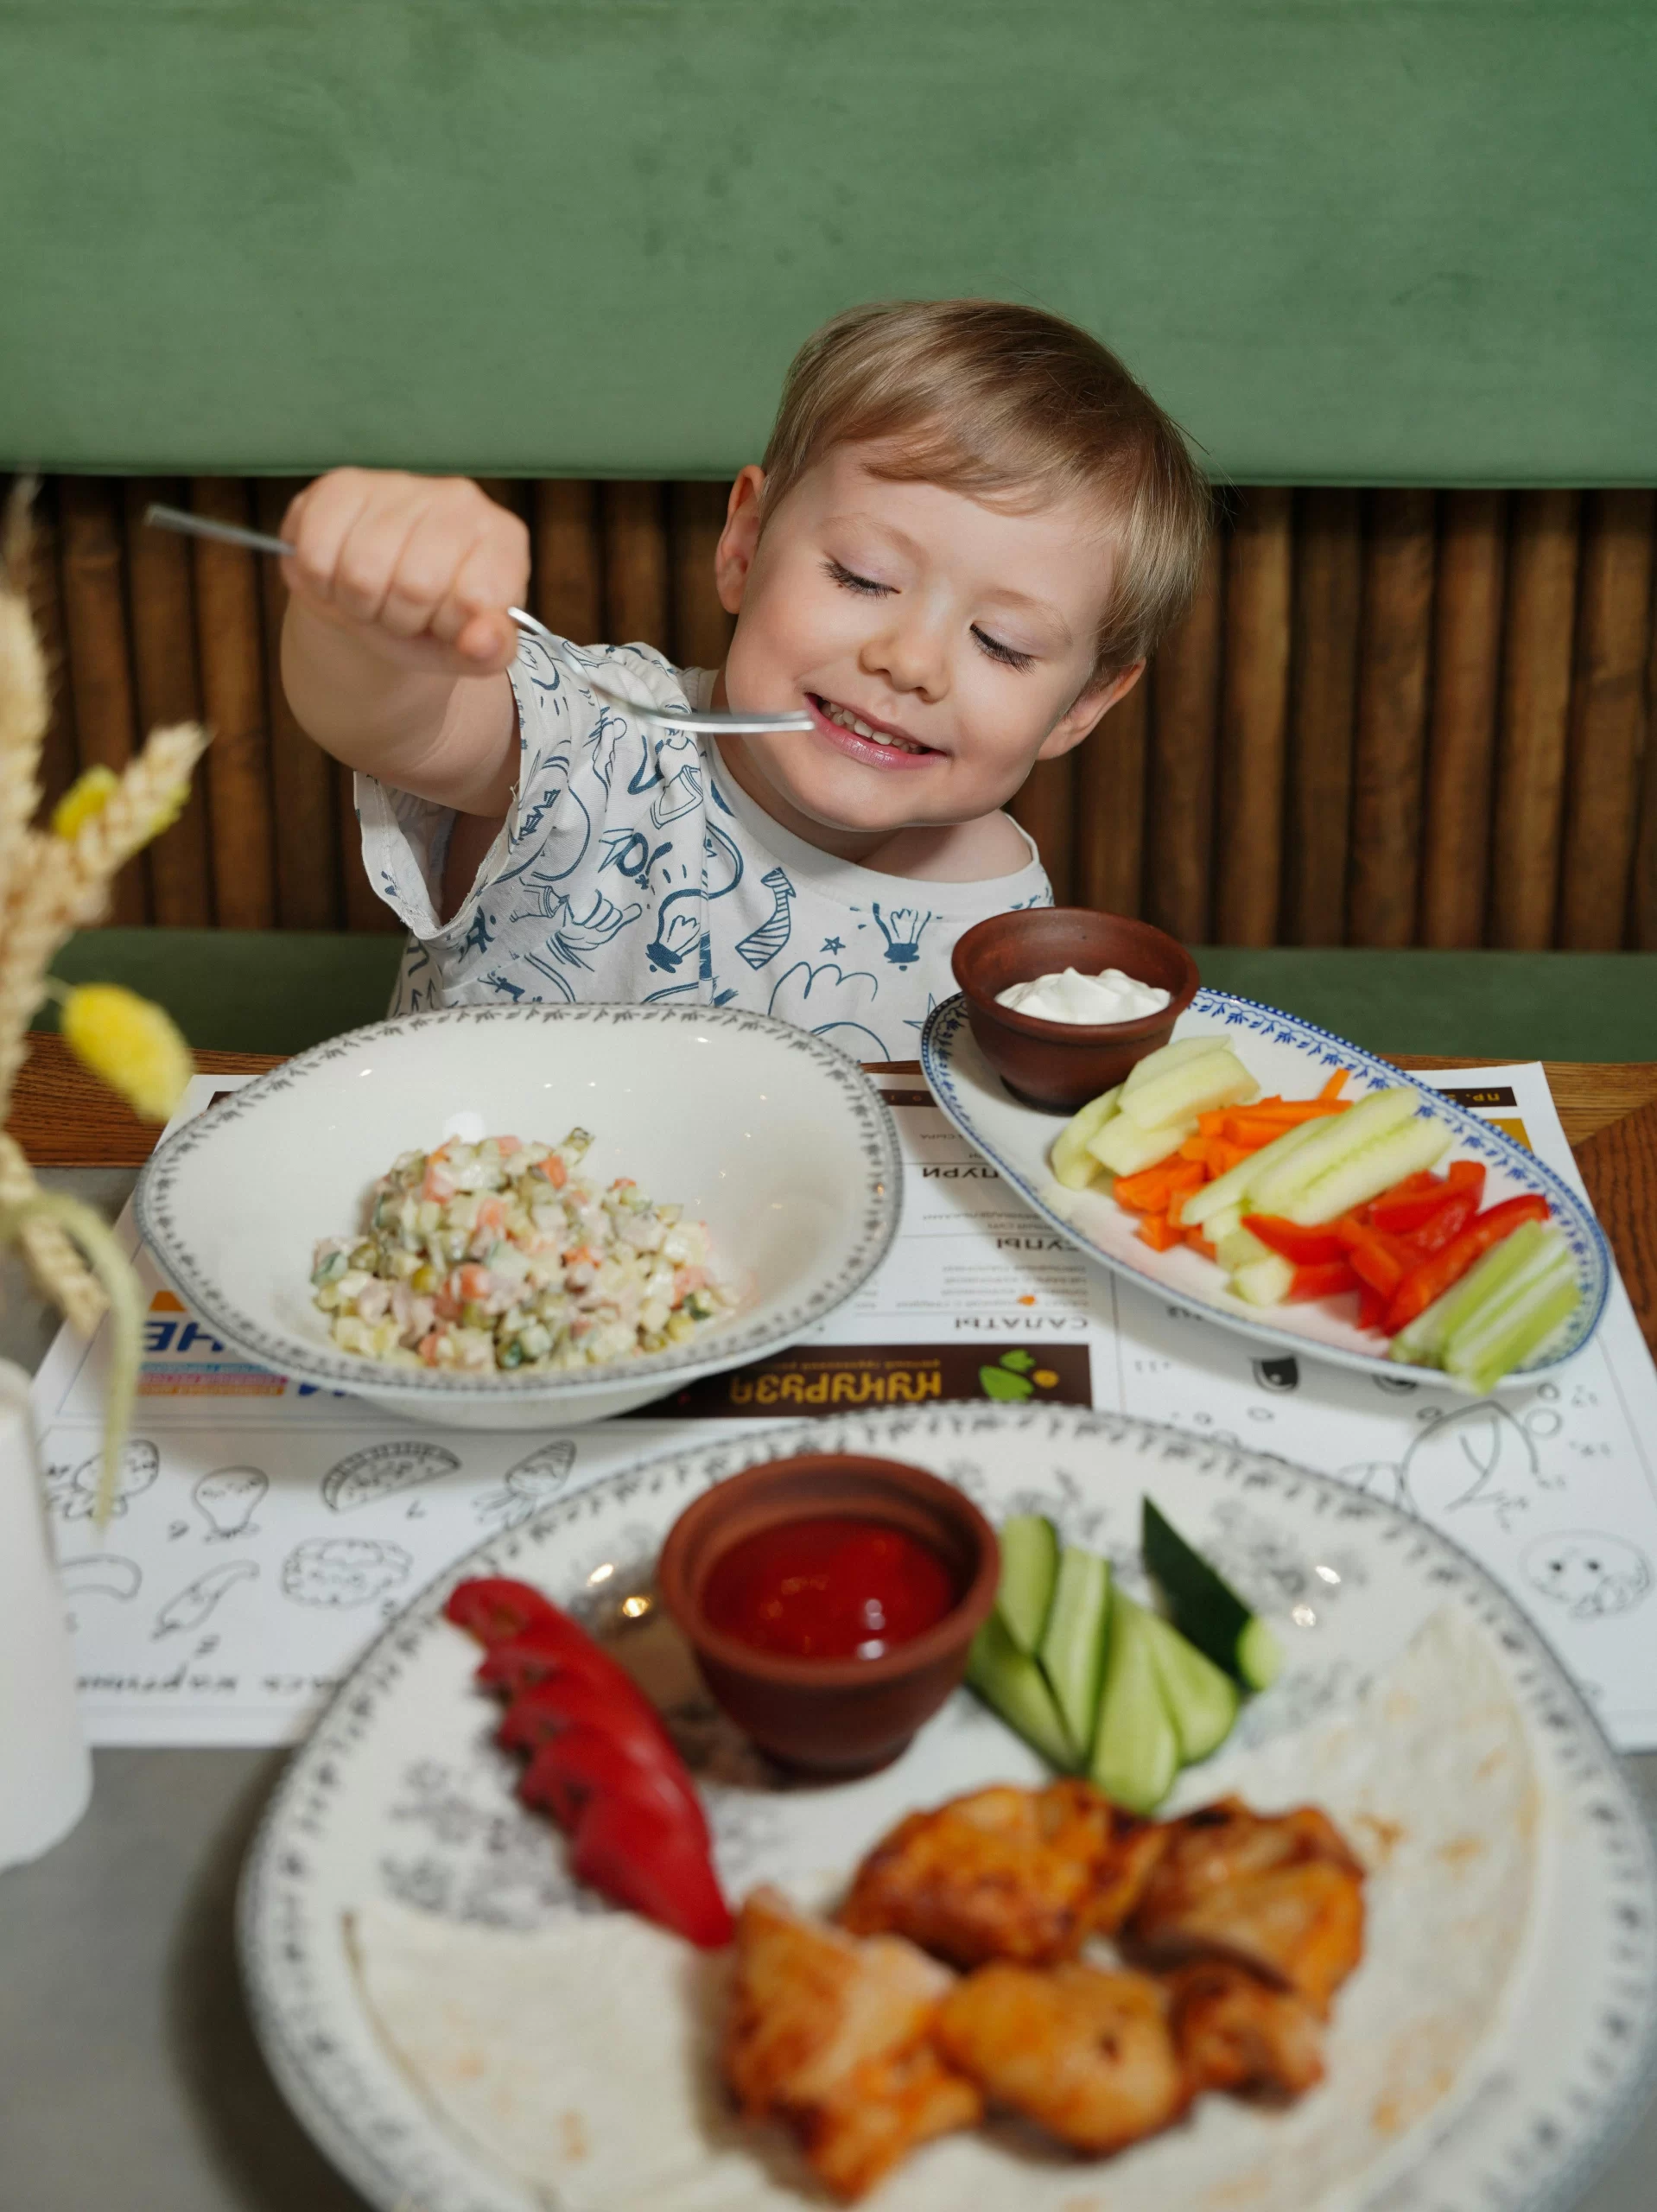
(1307, 1248)
(1445, 1226)
(1435, 1275)
(1380, 1261)
(580, 1764)
(1404, 1209)
(1321, 1279)
(493, 1608)
(1371, 1307)
(568, 1702)
(545, 1651)
(655, 1863)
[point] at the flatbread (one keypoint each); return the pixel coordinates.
(583, 2058)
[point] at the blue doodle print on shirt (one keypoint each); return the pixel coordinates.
(576, 935)
(504, 985)
(678, 918)
(805, 991)
(767, 940)
(631, 853)
(902, 928)
(478, 936)
(834, 945)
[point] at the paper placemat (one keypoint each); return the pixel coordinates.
(266, 1529)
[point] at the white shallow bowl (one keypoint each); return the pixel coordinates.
(775, 1138)
(1285, 1054)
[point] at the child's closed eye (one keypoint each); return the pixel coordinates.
(1009, 656)
(848, 579)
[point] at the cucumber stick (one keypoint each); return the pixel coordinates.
(1206, 1610)
(1073, 1648)
(1232, 1190)
(1029, 1571)
(1126, 1148)
(1353, 1181)
(1073, 1165)
(1202, 1701)
(1200, 1086)
(1334, 1138)
(1135, 1752)
(1263, 1282)
(1170, 1056)
(1009, 1682)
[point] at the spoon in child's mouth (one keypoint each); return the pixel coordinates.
(647, 710)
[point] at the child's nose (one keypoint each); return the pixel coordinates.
(911, 655)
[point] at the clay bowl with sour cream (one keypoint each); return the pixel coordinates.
(830, 1600)
(1059, 1065)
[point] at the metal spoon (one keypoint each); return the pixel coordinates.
(647, 710)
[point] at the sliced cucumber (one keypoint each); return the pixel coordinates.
(1233, 1188)
(1073, 1648)
(1029, 1570)
(1011, 1682)
(1218, 1078)
(1206, 1609)
(1239, 1248)
(1170, 1056)
(1135, 1754)
(1263, 1282)
(1365, 1175)
(1334, 1138)
(1072, 1163)
(1126, 1148)
(1504, 1269)
(1202, 1701)
(1225, 1222)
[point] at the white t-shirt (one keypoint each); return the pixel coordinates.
(632, 868)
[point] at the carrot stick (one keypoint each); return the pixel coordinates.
(1159, 1233)
(1335, 1084)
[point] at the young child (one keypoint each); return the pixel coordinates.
(970, 528)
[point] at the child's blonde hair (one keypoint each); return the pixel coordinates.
(990, 399)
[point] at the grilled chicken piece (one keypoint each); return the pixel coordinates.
(1089, 2056)
(1280, 1894)
(832, 2035)
(1005, 1874)
(1234, 2032)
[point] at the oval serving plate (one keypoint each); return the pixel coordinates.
(400, 1794)
(1295, 1058)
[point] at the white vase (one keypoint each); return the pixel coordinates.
(46, 1770)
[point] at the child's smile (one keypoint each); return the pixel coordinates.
(878, 745)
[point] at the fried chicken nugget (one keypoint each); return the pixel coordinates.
(1233, 2032)
(832, 2035)
(1089, 2055)
(1281, 1894)
(1006, 1873)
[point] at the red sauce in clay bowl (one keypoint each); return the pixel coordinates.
(830, 1600)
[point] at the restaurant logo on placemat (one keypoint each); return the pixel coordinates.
(836, 1378)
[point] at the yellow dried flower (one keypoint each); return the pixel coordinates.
(132, 1044)
(89, 794)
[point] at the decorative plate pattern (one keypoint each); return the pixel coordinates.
(399, 1792)
(1284, 1052)
(827, 1091)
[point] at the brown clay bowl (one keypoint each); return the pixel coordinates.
(834, 1717)
(1059, 1065)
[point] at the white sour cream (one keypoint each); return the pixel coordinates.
(1072, 996)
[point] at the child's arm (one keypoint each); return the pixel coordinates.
(396, 642)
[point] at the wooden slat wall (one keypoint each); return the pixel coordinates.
(1391, 717)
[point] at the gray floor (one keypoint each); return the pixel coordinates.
(129, 2075)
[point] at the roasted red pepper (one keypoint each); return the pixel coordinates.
(601, 1761)
(646, 1857)
(1434, 1276)
(493, 1608)
(1307, 1248)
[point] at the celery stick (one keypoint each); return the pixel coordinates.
(1422, 1341)
(1482, 1354)
(1354, 1181)
(1233, 1188)
(1073, 1165)
(1334, 1138)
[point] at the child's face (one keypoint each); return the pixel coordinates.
(964, 630)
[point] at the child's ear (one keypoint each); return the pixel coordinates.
(1090, 708)
(733, 556)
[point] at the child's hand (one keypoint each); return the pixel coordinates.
(420, 569)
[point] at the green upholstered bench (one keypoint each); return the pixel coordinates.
(278, 991)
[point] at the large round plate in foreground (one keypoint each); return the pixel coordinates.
(1292, 1056)
(775, 1138)
(399, 1793)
